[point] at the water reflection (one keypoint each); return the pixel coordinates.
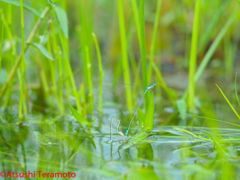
(61, 146)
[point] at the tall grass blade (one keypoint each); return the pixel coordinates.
(137, 21)
(60, 84)
(68, 70)
(213, 47)
(236, 89)
(8, 32)
(86, 9)
(1, 39)
(211, 50)
(193, 55)
(83, 97)
(229, 102)
(52, 66)
(101, 73)
(143, 49)
(22, 79)
(126, 74)
(62, 19)
(154, 37)
(89, 77)
(205, 38)
(59, 65)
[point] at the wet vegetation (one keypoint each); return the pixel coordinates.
(123, 89)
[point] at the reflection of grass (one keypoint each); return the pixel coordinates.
(229, 102)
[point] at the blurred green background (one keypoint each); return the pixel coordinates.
(64, 68)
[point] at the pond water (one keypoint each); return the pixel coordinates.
(60, 146)
(52, 143)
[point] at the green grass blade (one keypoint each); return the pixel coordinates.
(211, 50)
(22, 79)
(218, 146)
(154, 37)
(148, 124)
(17, 3)
(136, 17)
(8, 32)
(141, 118)
(236, 89)
(59, 65)
(192, 134)
(68, 70)
(89, 77)
(229, 102)
(1, 39)
(83, 99)
(213, 47)
(43, 50)
(86, 12)
(212, 25)
(212, 119)
(193, 55)
(182, 107)
(123, 37)
(82, 120)
(143, 50)
(62, 19)
(101, 73)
